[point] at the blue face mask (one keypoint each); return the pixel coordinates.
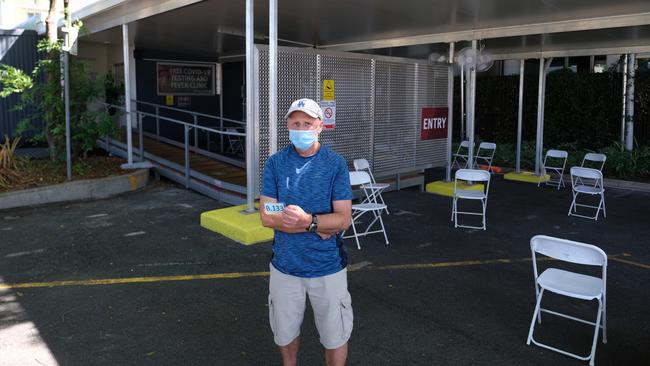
(302, 139)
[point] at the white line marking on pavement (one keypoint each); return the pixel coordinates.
(98, 215)
(135, 233)
(404, 212)
(171, 264)
(358, 266)
(19, 254)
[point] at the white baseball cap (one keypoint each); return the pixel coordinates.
(306, 105)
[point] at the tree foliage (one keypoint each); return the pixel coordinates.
(45, 94)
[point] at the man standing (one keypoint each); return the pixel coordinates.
(306, 198)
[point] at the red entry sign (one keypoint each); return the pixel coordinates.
(433, 124)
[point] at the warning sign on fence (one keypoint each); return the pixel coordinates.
(328, 89)
(329, 113)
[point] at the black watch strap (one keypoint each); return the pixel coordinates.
(313, 226)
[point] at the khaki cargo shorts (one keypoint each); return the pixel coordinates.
(329, 297)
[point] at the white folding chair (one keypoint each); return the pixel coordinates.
(571, 284)
(594, 160)
(363, 165)
(485, 154)
(578, 178)
(236, 143)
(461, 155)
(476, 176)
(559, 158)
(370, 204)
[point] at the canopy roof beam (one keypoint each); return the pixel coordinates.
(573, 25)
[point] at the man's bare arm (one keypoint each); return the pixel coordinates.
(337, 221)
(295, 220)
(278, 221)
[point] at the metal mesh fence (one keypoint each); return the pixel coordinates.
(378, 105)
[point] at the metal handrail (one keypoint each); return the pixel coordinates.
(190, 125)
(195, 117)
(189, 112)
(186, 137)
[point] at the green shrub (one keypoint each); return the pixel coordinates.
(44, 94)
(620, 164)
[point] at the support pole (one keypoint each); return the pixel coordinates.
(273, 76)
(450, 109)
(539, 143)
(141, 135)
(625, 59)
(462, 103)
(66, 89)
(66, 93)
(250, 115)
(471, 108)
(196, 131)
(540, 105)
(186, 154)
(127, 92)
(157, 124)
(520, 115)
(220, 120)
(629, 118)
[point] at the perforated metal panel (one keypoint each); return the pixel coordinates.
(352, 77)
(396, 120)
(378, 105)
(297, 78)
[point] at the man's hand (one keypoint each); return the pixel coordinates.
(295, 217)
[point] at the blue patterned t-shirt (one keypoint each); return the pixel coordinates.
(311, 183)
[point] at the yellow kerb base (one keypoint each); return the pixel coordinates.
(528, 177)
(243, 228)
(447, 188)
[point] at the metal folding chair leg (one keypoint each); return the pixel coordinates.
(377, 217)
(597, 326)
(573, 209)
(383, 229)
(455, 212)
(535, 315)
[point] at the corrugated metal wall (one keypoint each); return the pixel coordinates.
(18, 49)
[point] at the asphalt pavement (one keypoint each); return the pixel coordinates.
(134, 280)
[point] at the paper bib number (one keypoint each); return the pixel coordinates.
(274, 208)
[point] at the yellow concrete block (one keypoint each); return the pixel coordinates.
(447, 188)
(528, 177)
(243, 228)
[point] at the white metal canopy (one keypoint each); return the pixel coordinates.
(509, 29)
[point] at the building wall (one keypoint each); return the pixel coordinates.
(17, 49)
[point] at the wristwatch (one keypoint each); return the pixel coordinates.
(314, 224)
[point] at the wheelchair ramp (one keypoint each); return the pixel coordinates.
(214, 178)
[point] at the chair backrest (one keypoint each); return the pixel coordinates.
(473, 175)
(233, 129)
(558, 154)
(587, 173)
(359, 177)
(568, 250)
(487, 146)
(361, 164)
(463, 145)
(594, 157)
